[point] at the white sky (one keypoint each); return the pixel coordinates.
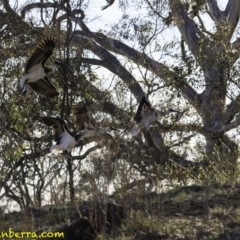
(98, 19)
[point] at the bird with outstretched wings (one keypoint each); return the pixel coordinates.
(64, 138)
(36, 74)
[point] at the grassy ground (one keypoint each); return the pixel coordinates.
(193, 212)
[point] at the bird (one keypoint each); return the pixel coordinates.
(65, 139)
(82, 117)
(110, 2)
(36, 74)
(146, 115)
(86, 125)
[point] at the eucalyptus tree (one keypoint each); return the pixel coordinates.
(194, 70)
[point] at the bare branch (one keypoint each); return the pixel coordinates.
(155, 11)
(187, 27)
(104, 105)
(232, 14)
(76, 11)
(232, 125)
(229, 17)
(94, 61)
(112, 62)
(182, 162)
(31, 6)
(14, 16)
(214, 10)
(179, 128)
(231, 110)
(140, 58)
(81, 157)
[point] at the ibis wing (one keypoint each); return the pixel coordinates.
(55, 123)
(144, 105)
(44, 87)
(41, 53)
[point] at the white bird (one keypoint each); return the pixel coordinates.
(36, 74)
(65, 139)
(146, 115)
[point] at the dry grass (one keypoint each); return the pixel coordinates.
(193, 212)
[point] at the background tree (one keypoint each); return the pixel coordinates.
(195, 71)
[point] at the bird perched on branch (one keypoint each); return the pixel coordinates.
(65, 139)
(110, 2)
(85, 123)
(36, 74)
(146, 115)
(82, 117)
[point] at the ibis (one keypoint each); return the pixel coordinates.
(65, 139)
(146, 115)
(36, 73)
(82, 117)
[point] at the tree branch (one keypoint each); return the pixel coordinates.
(94, 61)
(187, 27)
(182, 162)
(76, 11)
(232, 125)
(13, 16)
(231, 110)
(112, 62)
(232, 14)
(140, 58)
(31, 6)
(3, 19)
(104, 105)
(81, 157)
(214, 10)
